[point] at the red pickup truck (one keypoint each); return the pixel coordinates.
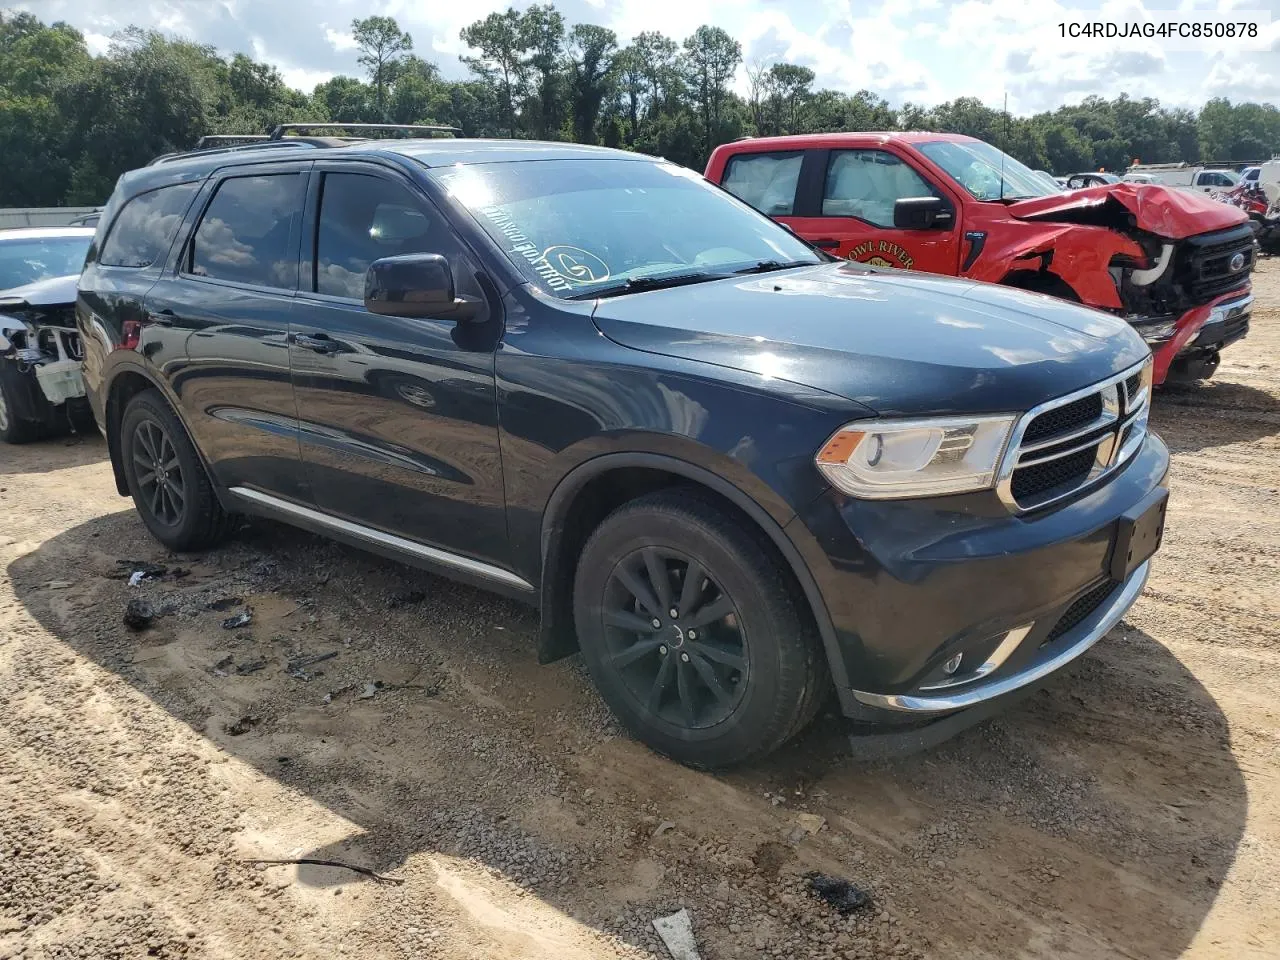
(1175, 264)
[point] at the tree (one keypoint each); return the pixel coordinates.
(381, 43)
(591, 53)
(542, 34)
(790, 86)
(712, 58)
(502, 46)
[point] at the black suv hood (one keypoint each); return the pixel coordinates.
(898, 342)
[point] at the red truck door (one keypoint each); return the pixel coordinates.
(848, 210)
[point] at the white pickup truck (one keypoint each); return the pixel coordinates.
(1183, 175)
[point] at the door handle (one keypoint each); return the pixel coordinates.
(319, 342)
(163, 318)
(826, 244)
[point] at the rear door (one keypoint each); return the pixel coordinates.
(846, 207)
(228, 301)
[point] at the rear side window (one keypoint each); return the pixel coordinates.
(767, 181)
(146, 226)
(246, 234)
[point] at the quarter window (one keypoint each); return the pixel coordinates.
(245, 233)
(146, 226)
(867, 183)
(767, 181)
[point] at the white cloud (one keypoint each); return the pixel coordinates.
(920, 50)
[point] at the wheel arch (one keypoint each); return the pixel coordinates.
(125, 384)
(1041, 281)
(588, 493)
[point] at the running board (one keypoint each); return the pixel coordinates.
(381, 540)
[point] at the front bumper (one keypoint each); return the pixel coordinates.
(1206, 329)
(909, 585)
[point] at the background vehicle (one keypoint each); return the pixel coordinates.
(724, 467)
(1184, 175)
(1078, 181)
(40, 385)
(1173, 264)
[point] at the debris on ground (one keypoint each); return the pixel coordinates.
(223, 604)
(242, 619)
(136, 578)
(370, 690)
(807, 824)
(663, 827)
(406, 598)
(220, 666)
(241, 726)
(841, 894)
(334, 694)
(365, 871)
(676, 932)
(253, 666)
(297, 667)
(149, 570)
(138, 614)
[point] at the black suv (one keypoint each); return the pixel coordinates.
(733, 473)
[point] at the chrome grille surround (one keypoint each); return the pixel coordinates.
(1114, 436)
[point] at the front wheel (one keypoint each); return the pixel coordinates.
(13, 429)
(690, 630)
(166, 477)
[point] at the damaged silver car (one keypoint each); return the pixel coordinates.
(41, 391)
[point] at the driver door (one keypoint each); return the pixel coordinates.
(854, 219)
(397, 415)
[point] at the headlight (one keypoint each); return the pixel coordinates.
(891, 459)
(1156, 332)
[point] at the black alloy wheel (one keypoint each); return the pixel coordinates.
(675, 637)
(692, 629)
(158, 471)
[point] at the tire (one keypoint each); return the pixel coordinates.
(177, 503)
(13, 429)
(762, 654)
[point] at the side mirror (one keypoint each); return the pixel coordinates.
(922, 213)
(415, 285)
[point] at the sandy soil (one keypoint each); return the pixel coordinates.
(1132, 809)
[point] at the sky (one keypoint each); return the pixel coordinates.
(924, 51)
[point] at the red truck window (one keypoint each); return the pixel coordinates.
(767, 181)
(867, 183)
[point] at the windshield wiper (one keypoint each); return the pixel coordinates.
(638, 284)
(768, 266)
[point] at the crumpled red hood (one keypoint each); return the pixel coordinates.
(1163, 211)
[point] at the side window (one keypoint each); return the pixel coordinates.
(364, 218)
(146, 226)
(767, 181)
(867, 183)
(245, 231)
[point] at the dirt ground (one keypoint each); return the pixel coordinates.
(1132, 809)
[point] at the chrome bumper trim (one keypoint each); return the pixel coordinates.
(1090, 631)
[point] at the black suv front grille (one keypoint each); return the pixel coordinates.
(1066, 418)
(1030, 483)
(1084, 605)
(1204, 263)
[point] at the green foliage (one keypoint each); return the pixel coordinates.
(71, 123)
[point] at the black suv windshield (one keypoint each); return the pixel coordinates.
(574, 227)
(979, 168)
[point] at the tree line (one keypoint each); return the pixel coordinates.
(71, 122)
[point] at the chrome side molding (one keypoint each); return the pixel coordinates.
(381, 538)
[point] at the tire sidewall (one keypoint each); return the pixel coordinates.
(148, 408)
(762, 624)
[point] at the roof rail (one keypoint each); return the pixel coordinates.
(283, 128)
(228, 140)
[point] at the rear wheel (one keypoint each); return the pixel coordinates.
(166, 478)
(691, 633)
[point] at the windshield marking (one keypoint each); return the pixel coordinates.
(562, 266)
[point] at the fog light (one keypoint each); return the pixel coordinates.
(952, 665)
